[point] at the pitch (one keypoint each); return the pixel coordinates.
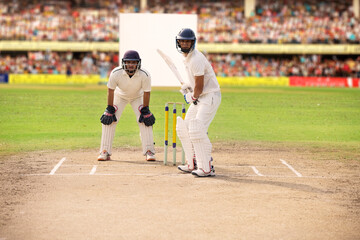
(128, 198)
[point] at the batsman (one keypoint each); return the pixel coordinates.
(128, 84)
(203, 94)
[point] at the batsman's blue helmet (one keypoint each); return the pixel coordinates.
(185, 34)
(131, 55)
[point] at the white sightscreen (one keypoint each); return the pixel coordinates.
(145, 32)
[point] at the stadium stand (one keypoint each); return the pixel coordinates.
(224, 64)
(230, 65)
(219, 22)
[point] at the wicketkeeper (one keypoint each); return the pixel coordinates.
(204, 96)
(128, 84)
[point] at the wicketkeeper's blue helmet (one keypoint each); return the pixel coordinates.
(185, 34)
(131, 55)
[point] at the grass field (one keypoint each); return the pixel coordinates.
(67, 117)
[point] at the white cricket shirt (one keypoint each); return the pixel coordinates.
(129, 88)
(196, 64)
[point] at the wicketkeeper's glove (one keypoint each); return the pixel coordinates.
(146, 116)
(109, 116)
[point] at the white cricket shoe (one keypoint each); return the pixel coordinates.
(150, 156)
(185, 168)
(104, 156)
(201, 173)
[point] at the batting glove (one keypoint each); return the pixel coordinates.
(190, 99)
(185, 88)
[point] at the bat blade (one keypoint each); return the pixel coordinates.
(171, 65)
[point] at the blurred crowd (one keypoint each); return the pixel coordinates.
(304, 65)
(226, 65)
(273, 21)
(69, 63)
(287, 21)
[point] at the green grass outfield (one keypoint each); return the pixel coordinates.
(38, 117)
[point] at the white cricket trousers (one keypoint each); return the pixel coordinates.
(108, 131)
(205, 110)
(197, 122)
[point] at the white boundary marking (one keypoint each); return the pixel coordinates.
(291, 168)
(256, 171)
(57, 166)
(93, 170)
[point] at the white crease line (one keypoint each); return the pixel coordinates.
(274, 176)
(132, 165)
(291, 168)
(93, 170)
(232, 167)
(256, 171)
(109, 174)
(77, 165)
(57, 166)
(176, 175)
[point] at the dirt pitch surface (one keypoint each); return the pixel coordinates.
(257, 194)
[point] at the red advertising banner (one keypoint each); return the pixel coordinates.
(324, 82)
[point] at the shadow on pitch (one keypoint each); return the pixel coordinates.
(226, 176)
(155, 163)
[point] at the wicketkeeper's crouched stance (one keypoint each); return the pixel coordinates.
(203, 93)
(128, 84)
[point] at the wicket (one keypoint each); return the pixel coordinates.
(173, 131)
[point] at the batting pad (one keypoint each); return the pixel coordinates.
(183, 134)
(147, 139)
(107, 137)
(201, 143)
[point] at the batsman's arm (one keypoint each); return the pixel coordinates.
(199, 86)
(192, 97)
(110, 97)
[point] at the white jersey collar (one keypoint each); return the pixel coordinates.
(186, 59)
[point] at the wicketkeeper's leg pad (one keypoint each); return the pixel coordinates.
(201, 143)
(147, 138)
(107, 137)
(183, 134)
